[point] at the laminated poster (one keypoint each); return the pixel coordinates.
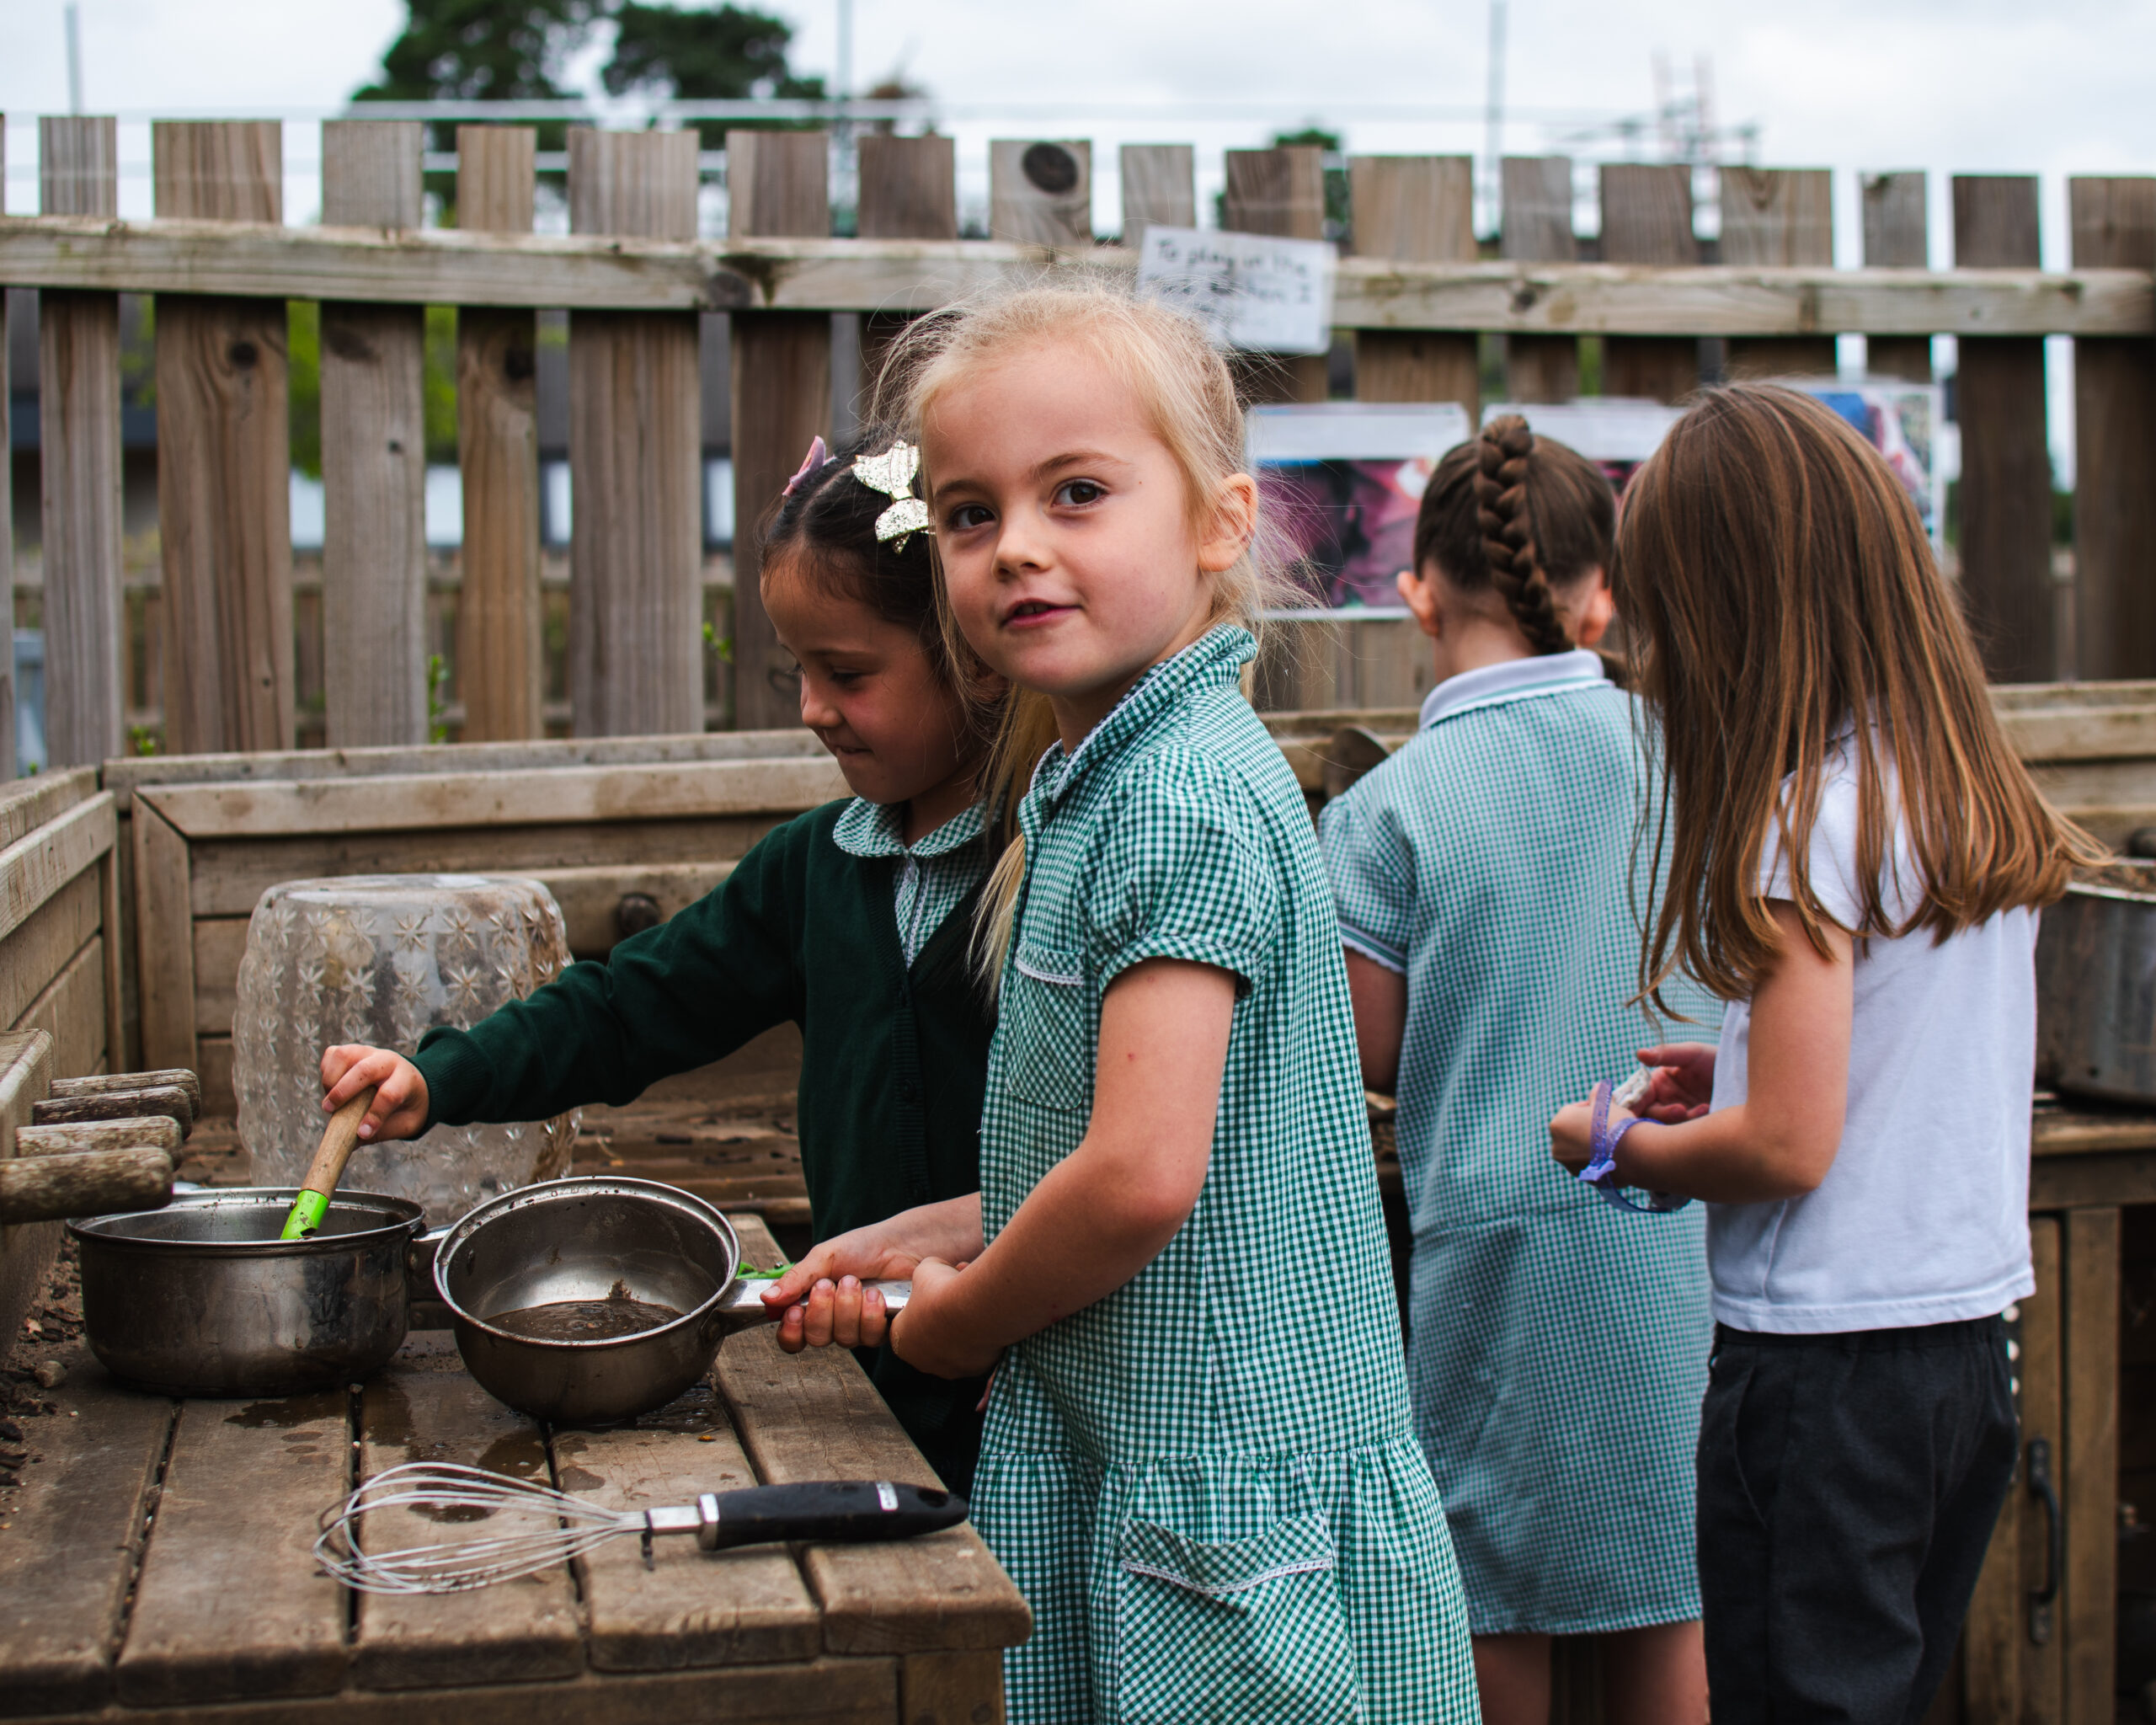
(1249, 291)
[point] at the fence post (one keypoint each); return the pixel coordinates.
(374, 459)
(1419, 210)
(908, 190)
(1896, 236)
(498, 662)
(2115, 441)
(1775, 218)
(636, 434)
(778, 185)
(1535, 227)
(79, 434)
(1280, 192)
(1040, 191)
(1160, 185)
(1647, 218)
(2006, 465)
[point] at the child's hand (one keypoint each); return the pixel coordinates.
(820, 1301)
(399, 1109)
(1571, 1134)
(1683, 1081)
(924, 1334)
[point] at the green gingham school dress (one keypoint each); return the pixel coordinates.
(1557, 1346)
(1207, 1484)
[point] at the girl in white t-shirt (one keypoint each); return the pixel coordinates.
(1854, 859)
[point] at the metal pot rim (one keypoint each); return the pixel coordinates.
(402, 1217)
(576, 1186)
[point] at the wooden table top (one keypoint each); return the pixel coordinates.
(160, 1557)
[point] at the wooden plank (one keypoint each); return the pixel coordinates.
(951, 1689)
(1896, 236)
(34, 868)
(79, 431)
(224, 440)
(51, 935)
(66, 1562)
(2089, 1617)
(1160, 185)
(2006, 464)
(1281, 192)
(499, 664)
(374, 550)
(1778, 215)
(26, 1252)
(111, 870)
(521, 1631)
(1647, 218)
(2114, 223)
(231, 1605)
(781, 370)
(2109, 1178)
(908, 190)
(635, 550)
(164, 952)
(87, 1137)
(2040, 1696)
(1418, 209)
(1040, 191)
(1535, 225)
(72, 1010)
(30, 803)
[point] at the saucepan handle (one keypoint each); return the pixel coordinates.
(825, 1512)
(745, 1300)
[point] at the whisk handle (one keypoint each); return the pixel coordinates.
(824, 1512)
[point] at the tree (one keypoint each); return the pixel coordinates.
(483, 50)
(725, 54)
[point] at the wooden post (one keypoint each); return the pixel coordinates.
(224, 460)
(1647, 218)
(2006, 464)
(499, 660)
(1279, 191)
(908, 190)
(1160, 186)
(1772, 218)
(2089, 1617)
(79, 431)
(1896, 236)
(636, 533)
(1418, 209)
(374, 459)
(1536, 227)
(2010, 1676)
(1040, 191)
(2115, 440)
(778, 185)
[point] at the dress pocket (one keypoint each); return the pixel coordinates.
(1249, 1630)
(1045, 1016)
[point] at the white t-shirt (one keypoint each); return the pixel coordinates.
(1923, 1218)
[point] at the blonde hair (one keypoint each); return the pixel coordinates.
(1165, 361)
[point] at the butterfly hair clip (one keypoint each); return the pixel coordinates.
(892, 474)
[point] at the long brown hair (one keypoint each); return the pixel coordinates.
(1784, 602)
(1505, 511)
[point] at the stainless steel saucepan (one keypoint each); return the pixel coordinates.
(2097, 986)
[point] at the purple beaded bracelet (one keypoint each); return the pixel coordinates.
(1601, 1170)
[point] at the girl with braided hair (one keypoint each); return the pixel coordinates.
(1556, 1348)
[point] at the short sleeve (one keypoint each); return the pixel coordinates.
(1372, 874)
(1185, 875)
(1830, 859)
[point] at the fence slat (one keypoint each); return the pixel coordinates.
(1040, 191)
(1647, 218)
(1418, 208)
(78, 432)
(1896, 236)
(2113, 221)
(1775, 217)
(500, 665)
(1160, 186)
(1280, 192)
(224, 455)
(635, 538)
(1535, 227)
(374, 459)
(781, 397)
(2006, 469)
(908, 190)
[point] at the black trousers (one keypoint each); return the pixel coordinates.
(1848, 1488)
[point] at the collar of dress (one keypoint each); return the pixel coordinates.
(868, 829)
(1515, 680)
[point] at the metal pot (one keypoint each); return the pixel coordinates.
(202, 1298)
(2096, 986)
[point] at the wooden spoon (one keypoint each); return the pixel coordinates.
(328, 1167)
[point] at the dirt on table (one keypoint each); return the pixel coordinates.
(34, 1363)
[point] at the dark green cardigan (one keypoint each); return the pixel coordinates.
(893, 1062)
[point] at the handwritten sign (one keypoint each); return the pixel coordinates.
(1249, 291)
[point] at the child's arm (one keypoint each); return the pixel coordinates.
(1780, 1140)
(1380, 998)
(820, 1302)
(1103, 1213)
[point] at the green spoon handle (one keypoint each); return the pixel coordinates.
(327, 1168)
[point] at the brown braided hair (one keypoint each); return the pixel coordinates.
(1523, 516)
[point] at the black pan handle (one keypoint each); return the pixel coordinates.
(826, 1511)
(2041, 1484)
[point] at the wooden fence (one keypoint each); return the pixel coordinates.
(1417, 292)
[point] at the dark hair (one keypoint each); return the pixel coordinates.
(827, 525)
(1524, 516)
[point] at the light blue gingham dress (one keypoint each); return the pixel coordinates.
(1207, 1484)
(1557, 1347)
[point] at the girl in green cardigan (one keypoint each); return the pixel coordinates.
(851, 921)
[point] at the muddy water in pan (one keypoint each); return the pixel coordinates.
(585, 1320)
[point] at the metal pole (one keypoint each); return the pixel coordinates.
(845, 50)
(74, 57)
(1494, 113)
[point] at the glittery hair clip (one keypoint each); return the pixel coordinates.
(817, 456)
(892, 474)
